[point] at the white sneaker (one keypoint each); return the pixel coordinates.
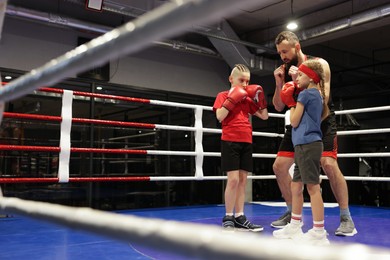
(288, 232)
(346, 228)
(317, 238)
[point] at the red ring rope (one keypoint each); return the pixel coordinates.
(78, 120)
(72, 149)
(97, 95)
(73, 179)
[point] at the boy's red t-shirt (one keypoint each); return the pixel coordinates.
(236, 126)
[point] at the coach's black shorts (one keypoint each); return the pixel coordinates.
(329, 136)
(236, 156)
(329, 139)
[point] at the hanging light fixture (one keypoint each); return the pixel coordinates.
(94, 5)
(292, 25)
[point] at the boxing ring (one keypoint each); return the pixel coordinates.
(198, 236)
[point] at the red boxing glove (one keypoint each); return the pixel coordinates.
(256, 93)
(289, 94)
(236, 95)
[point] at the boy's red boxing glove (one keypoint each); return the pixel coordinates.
(256, 93)
(236, 95)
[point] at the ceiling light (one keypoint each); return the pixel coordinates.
(292, 26)
(94, 5)
(99, 88)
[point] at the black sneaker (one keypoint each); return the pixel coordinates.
(228, 223)
(282, 221)
(245, 225)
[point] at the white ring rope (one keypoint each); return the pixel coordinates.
(210, 130)
(363, 132)
(358, 178)
(362, 110)
(207, 178)
(187, 239)
(353, 155)
(259, 155)
(180, 105)
(260, 177)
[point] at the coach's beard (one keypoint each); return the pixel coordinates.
(293, 62)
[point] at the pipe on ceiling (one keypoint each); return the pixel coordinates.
(58, 20)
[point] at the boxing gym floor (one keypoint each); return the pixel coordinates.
(25, 238)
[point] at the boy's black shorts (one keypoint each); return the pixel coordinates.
(236, 156)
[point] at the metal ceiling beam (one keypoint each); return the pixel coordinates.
(364, 20)
(3, 7)
(346, 25)
(234, 52)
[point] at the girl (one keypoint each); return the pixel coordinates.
(307, 140)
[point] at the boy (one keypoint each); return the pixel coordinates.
(232, 109)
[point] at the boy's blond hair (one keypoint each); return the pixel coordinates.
(239, 68)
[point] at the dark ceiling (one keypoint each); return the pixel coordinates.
(352, 35)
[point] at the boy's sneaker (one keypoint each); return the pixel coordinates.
(288, 232)
(245, 225)
(346, 228)
(228, 223)
(317, 238)
(282, 221)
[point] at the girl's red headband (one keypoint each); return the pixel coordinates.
(310, 73)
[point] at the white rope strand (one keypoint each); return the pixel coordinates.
(207, 178)
(360, 178)
(187, 239)
(362, 110)
(259, 177)
(260, 155)
(176, 104)
(361, 132)
(353, 155)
